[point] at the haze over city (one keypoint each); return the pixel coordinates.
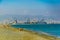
(46, 8)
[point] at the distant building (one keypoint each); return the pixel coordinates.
(28, 21)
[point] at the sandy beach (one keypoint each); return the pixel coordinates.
(9, 33)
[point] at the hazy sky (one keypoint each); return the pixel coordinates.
(31, 7)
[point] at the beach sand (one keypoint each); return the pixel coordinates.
(9, 33)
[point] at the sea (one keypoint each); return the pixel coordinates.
(52, 29)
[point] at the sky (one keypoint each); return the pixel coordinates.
(47, 8)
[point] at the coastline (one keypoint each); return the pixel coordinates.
(9, 33)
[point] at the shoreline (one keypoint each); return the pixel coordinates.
(8, 28)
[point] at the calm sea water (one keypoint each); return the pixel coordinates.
(53, 29)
